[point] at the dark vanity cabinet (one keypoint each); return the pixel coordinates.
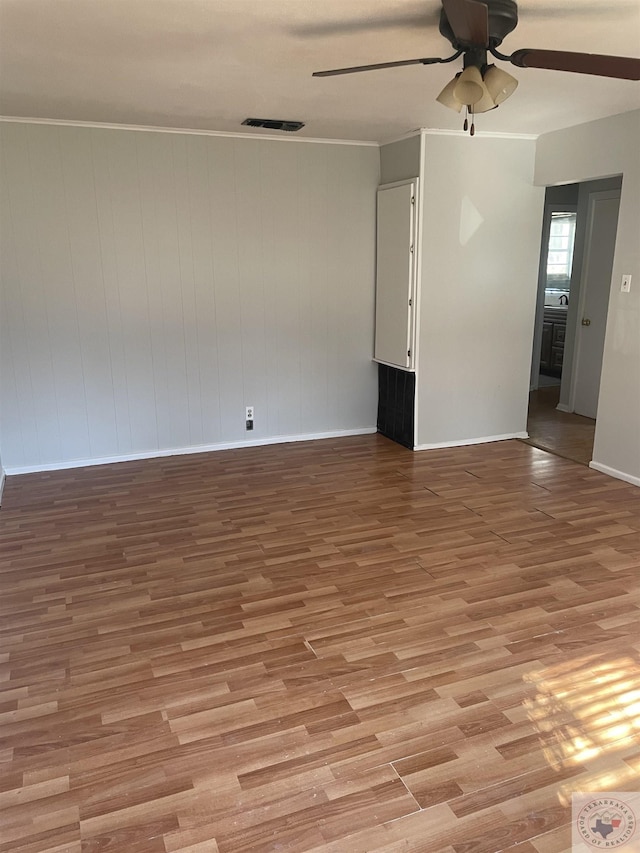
(554, 328)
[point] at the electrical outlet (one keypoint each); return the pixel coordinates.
(625, 287)
(249, 413)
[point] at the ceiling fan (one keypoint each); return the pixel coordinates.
(475, 30)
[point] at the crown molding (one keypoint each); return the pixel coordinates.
(185, 131)
(486, 134)
(189, 131)
(409, 135)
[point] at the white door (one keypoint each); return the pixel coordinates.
(602, 225)
(395, 274)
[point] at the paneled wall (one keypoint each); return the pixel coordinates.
(154, 284)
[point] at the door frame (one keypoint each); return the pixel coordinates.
(585, 188)
(549, 209)
(594, 196)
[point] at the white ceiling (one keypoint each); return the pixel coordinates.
(208, 64)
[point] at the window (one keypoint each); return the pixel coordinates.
(562, 235)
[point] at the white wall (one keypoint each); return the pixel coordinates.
(400, 160)
(153, 285)
(482, 220)
(601, 149)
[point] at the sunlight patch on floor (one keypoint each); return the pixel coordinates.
(587, 712)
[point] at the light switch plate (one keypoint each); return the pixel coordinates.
(625, 287)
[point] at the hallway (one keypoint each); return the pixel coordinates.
(565, 434)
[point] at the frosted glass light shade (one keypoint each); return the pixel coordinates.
(469, 88)
(485, 103)
(499, 83)
(447, 97)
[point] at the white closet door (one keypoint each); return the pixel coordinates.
(395, 274)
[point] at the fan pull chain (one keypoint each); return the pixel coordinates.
(468, 110)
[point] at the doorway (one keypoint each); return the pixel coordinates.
(576, 261)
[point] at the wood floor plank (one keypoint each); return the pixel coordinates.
(335, 646)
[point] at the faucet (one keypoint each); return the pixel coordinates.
(565, 297)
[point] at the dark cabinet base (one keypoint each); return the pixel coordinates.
(396, 396)
(553, 335)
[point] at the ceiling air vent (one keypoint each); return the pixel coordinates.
(273, 124)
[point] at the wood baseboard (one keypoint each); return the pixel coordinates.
(485, 439)
(182, 451)
(613, 472)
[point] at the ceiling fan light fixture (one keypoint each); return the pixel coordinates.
(447, 98)
(469, 88)
(499, 83)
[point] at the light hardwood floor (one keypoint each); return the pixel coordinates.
(336, 646)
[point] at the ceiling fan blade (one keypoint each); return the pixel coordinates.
(355, 68)
(622, 67)
(469, 21)
(414, 17)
